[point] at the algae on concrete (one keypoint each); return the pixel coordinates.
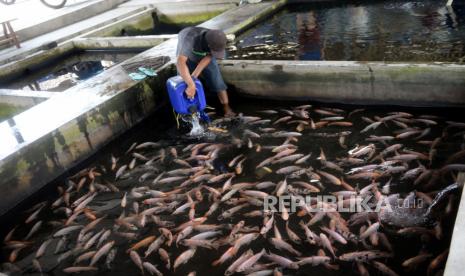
(188, 19)
(143, 24)
(7, 111)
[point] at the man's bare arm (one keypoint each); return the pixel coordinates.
(202, 64)
(185, 75)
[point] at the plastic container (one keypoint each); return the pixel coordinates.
(176, 90)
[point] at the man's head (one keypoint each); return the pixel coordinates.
(216, 40)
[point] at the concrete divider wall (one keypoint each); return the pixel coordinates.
(63, 35)
(141, 21)
(21, 98)
(435, 84)
(177, 13)
(192, 13)
(135, 42)
(73, 57)
(237, 20)
(38, 60)
(455, 264)
(41, 59)
(24, 172)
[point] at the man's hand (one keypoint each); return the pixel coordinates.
(190, 91)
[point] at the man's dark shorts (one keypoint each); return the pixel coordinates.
(211, 76)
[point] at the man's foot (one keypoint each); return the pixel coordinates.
(228, 112)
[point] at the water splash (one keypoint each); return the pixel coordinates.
(197, 128)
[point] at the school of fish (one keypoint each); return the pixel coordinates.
(197, 206)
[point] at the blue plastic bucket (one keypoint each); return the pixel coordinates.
(176, 90)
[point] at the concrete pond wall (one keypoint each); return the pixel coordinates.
(46, 141)
(13, 102)
(407, 84)
(164, 13)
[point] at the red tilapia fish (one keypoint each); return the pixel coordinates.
(164, 207)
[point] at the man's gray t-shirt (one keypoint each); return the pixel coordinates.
(186, 43)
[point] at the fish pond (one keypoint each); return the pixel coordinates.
(159, 197)
(415, 31)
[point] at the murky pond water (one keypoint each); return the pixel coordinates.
(359, 30)
(169, 183)
(69, 70)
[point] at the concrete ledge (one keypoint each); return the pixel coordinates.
(142, 20)
(239, 19)
(42, 58)
(21, 98)
(185, 12)
(191, 13)
(92, 9)
(39, 59)
(182, 13)
(116, 56)
(114, 43)
(50, 144)
(153, 3)
(411, 84)
(455, 264)
(32, 52)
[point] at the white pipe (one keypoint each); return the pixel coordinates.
(449, 2)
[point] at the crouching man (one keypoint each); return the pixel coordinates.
(197, 51)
